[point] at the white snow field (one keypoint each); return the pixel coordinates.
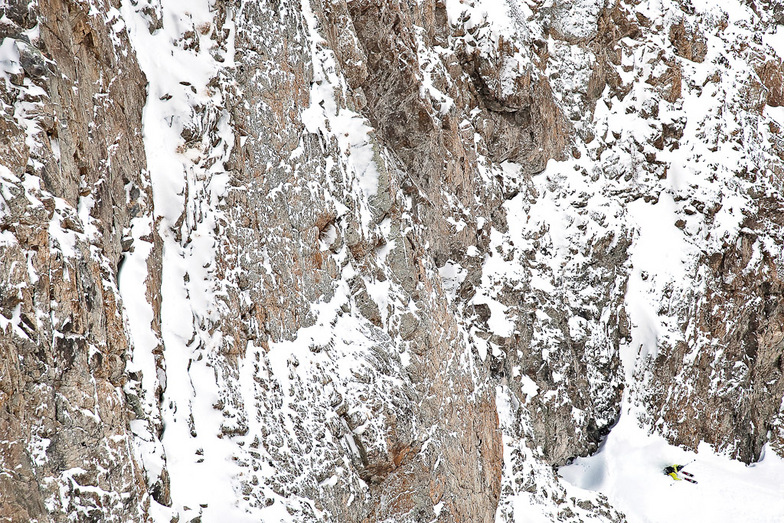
(628, 470)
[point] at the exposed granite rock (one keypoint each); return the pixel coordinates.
(75, 178)
(724, 340)
(736, 374)
(689, 43)
(771, 75)
(461, 432)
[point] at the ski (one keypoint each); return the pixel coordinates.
(688, 476)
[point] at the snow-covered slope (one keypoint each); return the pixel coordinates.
(628, 469)
(467, 260)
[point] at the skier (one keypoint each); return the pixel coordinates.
(674, 470)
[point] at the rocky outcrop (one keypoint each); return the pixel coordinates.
(331, 244)
(72, 179)
(770, 74)
(723, 337)
(734, 367)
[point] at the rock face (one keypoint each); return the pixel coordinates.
(753, 342)
(378, 261)
(72, 178)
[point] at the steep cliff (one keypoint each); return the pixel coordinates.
(331, 260)
(72, 179)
